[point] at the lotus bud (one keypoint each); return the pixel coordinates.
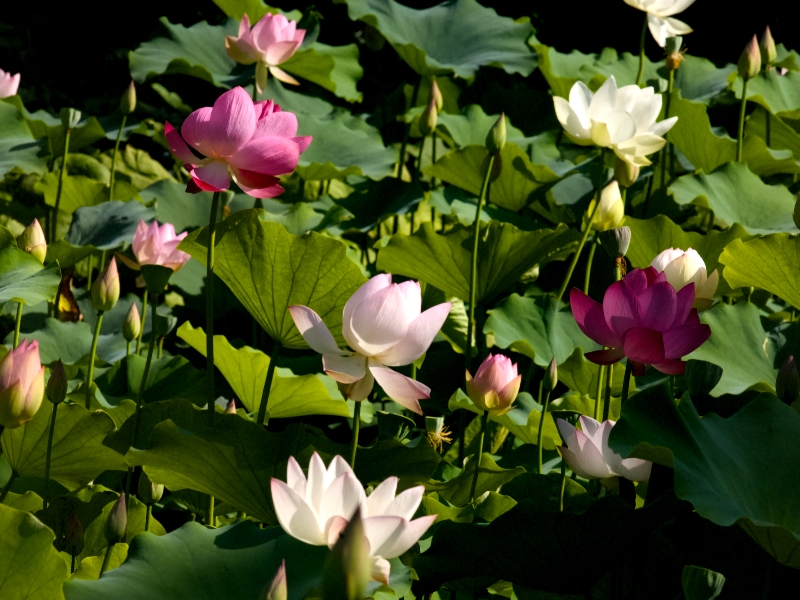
(750, 60)
(701, 584)
(625, 173)
(127, 103)
(73, 535)
(769, 53)
(436, 94)
(611, 211)
(496, 384)
(117, 524)
(149, 492)
(32, 241)
(551, 377)
(496, 138)
(615, 241)
(231, 408)
(21, 385)
(57, 384)
(787, 384)
(132, 324)
(427, 120)
(70, 118)
(105, 291)
(348, 565)
(278, 589)
(683, 268)
(701, 378)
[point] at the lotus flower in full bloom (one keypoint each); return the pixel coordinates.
(315, 510)
(21, 384)
(659, 17)
(642, 318)
(9, 84)
(496, 384)
(587, 452)
(158, 245)
(383, 324)
(253, 142)
(622, 119)
(682, 268)
(271, 42)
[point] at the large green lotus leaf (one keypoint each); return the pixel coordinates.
(450, 38)
(771, 262)
(18, 146)
(78, 454)
(94, 531)
(137, 167)
(725, 467)
(737, 195)
(739, 345)
(537, 328)
(268, 269)
(545, 491)
(504, 255)
(173, 205)
(781, 544)
(71, 342)
(781, 135)
(245, 369)
(371, 202)
(168, 377)
(472, 125)
(107, 225)
(22, 276)
(512, 189)
(490, 477)
(255, 9)
(580, 375)
(700, 80)
(89, 568)
(30, 568)
(779, 94)
(335, 68)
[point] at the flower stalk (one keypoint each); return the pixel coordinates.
(92, 356)
(262, 418)
(478, 455)
(642, 39)
(17, 324)
(212, 225)
(356, 429)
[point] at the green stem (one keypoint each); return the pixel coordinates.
(768, 126)
(17, 324)
(540, 436)
(588, 275)
(106, 559)
(433, 161)
(414, 96)
(418, 174)
(211, 519)
(255, 90)
(356, 429)
(89, 261)
(478, 455)
(273, 358)
(642, 40)
(144, 321)
(60, 187)
(563, 484)
(578, 250)
(92, 355)
(48, 455)
(599, 393)
(626, 383)
(114, 159)
(212, 227)
(128, 348)
(7, 486)
(664, 154)
(740, 139)
(147, 516)
(607, 403)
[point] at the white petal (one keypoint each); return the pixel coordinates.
(389, 537)
(627, 97)
(621, 126)
(658, 29)
(380, 498)
(382, 319)
(316, 484)
(708, 288)
(673, 7)
(342, 499)
(592, 430)
(381, 570)
(370, 287)
(636, 469)
(345, 369)
(418, 338)
(295, 516)
(314, 331)
(401, 389)
(663, 127)
(406, 503)
(580, 97)
(570, 120)
(339, 466)
(362, 388)
(567, 431)
(675, 27)
(646, 110)
(295, 478)
(604, 100)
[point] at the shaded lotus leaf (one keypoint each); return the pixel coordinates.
(18, 145)
(545, 491)
(22, 277)
(490, 477)
(779, 94)
(107, 225)
(580, 375)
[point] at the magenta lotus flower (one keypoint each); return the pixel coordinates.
(21, 384)
(9, 84)
(251, 142)
(156, 245)
(642, 318)
(383, 324)
(271, 42)
(588, 454)
(496, 384)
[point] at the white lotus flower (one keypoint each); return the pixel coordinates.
(659, 17)
(683, 268)
(316, 509)
(622, 119)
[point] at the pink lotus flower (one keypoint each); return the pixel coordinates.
(253, 142)
(271, 42)
(588, 454)
(383, 325)
(644, 318)
(156, 245)
(21, 384)
(496, 384)
(9, 84)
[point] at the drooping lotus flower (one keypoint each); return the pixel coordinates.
(682, 268)
(622, 119)
(158, 245)
(316, 509)
(659, 17)
(9, 84)
(384, 325)
(271, 42)
(252, 142)
(642, 318)
(496, 384)
(588, 454)
(21, 384)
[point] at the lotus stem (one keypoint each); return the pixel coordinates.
(212, 226)
(211, 519)
(768, 127)
(579, 249)
(599, 394)
(588, 275)
(607, 403)
(356, 430)
(433, 162)
(642, 40)
(106, 559)
(740, 138)
(48, 455)
(147, 517)
(262, 410)
(540, 436)
(114, 159)
(418, 174)
(478, 455)
(128, 348)
(664, 154)
(144, 321)
(92, 356)
(626, 382)
(60, 186)
(404, 144)
(17, 324)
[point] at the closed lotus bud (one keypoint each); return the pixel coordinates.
(615, 241)
(57, 384)
(551, 377)
(683, 268)
(105, 291)
(436, 94)
(70, 117)
(127, 103)
(348, 566)
(611, 212)
(701, 377)
(496, 384)
(625, 173)
(149, 492)
(117, 524)
(278, 589)
(231, 408)
(32, 241)
(496, 138)
(787, 384)
(21, 385)
(701, 584)
(73, 535)
(427, 120)
(750, 60)
(132, 324)
(769, 53)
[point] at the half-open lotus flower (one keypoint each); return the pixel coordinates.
(21, 384)
(496, 384)
(9, 84)
(383, 324)
(622, 119)
(271, 42)
(158, 245)
(682, 268)
(642, 318)
(587, 452)
(659, 17)
(315, 510)
(251, 142)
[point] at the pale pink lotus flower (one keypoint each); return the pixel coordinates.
(21, 384)
(271, 42)
(158, 245)
(9, 84)
(496, 384)
(682, 268)
(315, 510)
(253, 142)
(383, 324)
(587, 452)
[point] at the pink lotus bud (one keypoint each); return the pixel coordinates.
(117, 524)
(231, 408)
(277, 589)
(769, 53)
(496, 384)
(750, 60)
(436, 94)
(32, 241)
(9, 84)
(21, 384)
(158, 245)
(105, 291)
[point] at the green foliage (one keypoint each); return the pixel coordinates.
(22, 276)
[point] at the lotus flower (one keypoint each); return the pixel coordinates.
(622, 119)
(611, 212)
(253, 142)
(587, 452)
(496, 384)
(271, 42)
(156, 245)
(383, 325)
(21, 384)
(659, 17)
(642, 318)
(9, 84)
(682, 268)
(316, 509)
